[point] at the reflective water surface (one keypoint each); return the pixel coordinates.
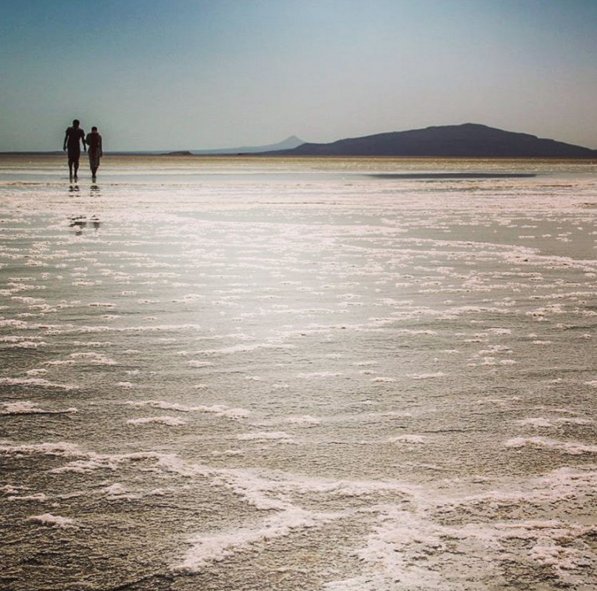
(309, 374)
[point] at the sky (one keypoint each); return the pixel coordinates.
(202, 74)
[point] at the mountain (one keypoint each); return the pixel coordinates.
(287, 144)
(469, 140)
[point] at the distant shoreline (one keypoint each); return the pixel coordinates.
(451, 175)
(257, 156)
(464, 141)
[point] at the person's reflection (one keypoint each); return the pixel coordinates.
(96, 222)
(79, 222)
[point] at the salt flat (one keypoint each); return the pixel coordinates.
(322, 374)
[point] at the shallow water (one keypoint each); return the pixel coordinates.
(321, 374)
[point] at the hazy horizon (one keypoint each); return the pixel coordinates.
(198, 75)
(250, 150)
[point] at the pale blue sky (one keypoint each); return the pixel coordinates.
(192, 74)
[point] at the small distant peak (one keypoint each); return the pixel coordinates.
(293, 140)
(179, 153)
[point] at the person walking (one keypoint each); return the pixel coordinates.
(74, 135)
(94, 141)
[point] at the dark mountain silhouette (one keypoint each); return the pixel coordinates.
(469, 140)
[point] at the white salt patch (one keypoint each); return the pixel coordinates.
(535, 422)
(18, 324)
(86, 466)
(572, 448)
(216, 409)
(302, 420)
(39, 382)
(93, 358)
(29, 408)
(52, 520)
(575, 421)
(224, 411)
(244, 348)
(115, 489)
(9, 489)
(369, 582)
(196, 363)
(56, 362)
(158, 492)
(264, 436)
(494, 349)
(500, 331)
(543, 422)
(26, 345)
(412, 439)
(427, 376)
(228, 453)
(118, 491)
(163, 420)
(39, 497)
(208, 548)
(61, 448)
(162, 404)
(13, 408)
(558, 556)
(94, 461)
(318, 374)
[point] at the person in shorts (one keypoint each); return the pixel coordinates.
(94, 142)
(74, 135)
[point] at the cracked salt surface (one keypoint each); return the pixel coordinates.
(281, 374)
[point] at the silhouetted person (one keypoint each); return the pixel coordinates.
(73, 136)
(94, 141)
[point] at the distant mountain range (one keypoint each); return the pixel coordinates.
(469, 140)
(287, 144)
